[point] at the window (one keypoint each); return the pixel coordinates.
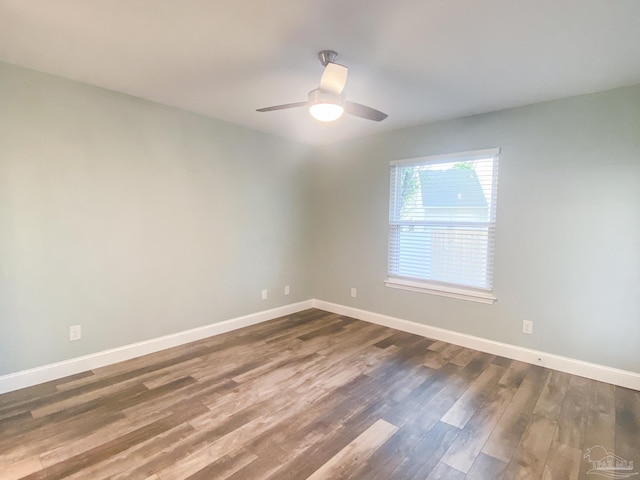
(442, 216)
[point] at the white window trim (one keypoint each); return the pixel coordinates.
(435, 288)
(448, 157)
(442, 290)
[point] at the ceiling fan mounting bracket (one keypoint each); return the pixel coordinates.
(327, 56)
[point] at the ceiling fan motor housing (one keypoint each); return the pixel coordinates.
(322, 96)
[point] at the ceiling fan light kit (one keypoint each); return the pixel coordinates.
(325, 106)
(327, 102)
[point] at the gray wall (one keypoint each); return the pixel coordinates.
(568, 226)
(136, 220)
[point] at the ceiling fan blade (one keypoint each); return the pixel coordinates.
(334, 78)
(363, 111)
(282, 107)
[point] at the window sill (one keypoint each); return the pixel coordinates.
(461, 293)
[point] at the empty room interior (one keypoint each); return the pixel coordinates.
(319, 239)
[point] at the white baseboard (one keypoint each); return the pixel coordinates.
(54, 371)
(623, 378)
(45, 373)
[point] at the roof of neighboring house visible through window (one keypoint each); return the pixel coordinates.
(451, 188)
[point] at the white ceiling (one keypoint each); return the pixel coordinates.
(417, 60)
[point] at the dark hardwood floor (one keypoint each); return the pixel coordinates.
(319, 396)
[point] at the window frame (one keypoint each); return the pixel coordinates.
(431, 286)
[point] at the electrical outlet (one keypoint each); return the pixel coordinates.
(354, 292)
(75, 333)
(286, 289)
(527, 327)
(265, 294)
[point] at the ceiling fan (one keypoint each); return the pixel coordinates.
(327, 102)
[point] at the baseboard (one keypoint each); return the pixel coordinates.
(54, 371)
(623, 378)
(34, 376)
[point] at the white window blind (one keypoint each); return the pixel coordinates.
(442, 217)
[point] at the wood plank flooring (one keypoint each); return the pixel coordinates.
(316, 396)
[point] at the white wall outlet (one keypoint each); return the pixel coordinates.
(75, 333)
(354, 292)
(286, 289)
(527, 327)
(265, 294)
